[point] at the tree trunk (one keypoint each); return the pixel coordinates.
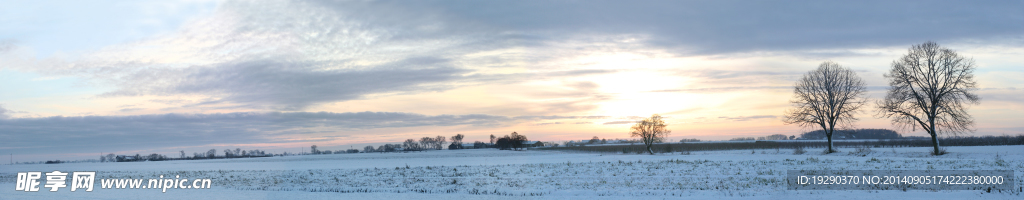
(828, 135)
(649, 148)
(830, 143)
(935, 138)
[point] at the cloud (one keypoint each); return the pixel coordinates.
(112, 133)
(169, 101)
(289, 55)
(748, 118)
(129, 109)
(685, 111)
(559, 117)
(6, 46)
(293, 55)
(289, 86)
(737, 26)
(1011, 94)
(618, 122)
(725, 89)
(3, 112)
(249, 55)
(134, 132)
(507, 78)
(730, 75)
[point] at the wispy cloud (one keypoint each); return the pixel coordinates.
(118, 133)
(748, 118)
(284, 86)
(618, 122)
(742, 25)
(726, 89)
(3, 112)
(561, 117)
(129, 109)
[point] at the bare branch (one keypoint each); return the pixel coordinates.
(827, 97)
(650, 131)
(928, 89)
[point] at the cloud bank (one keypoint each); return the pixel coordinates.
(289, 55)
(285, 60)
(121, 133)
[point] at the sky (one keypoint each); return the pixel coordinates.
(82, 78)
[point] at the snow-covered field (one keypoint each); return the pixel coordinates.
(535, 174)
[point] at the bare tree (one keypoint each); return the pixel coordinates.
(516, 140)
(650, 130)
(313, 150)
(410, 144)
(182, 152)
(211, 153)
(827, 98)
(427, 142)
(479, 145)
(492, 139)
(368, 149)
(388, 147)
(456, 141)
(155, 157)
(439, 142)
(504, 143)
(928, 88)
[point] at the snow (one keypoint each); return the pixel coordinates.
(542, 174)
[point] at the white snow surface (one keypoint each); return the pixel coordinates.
(531, 174)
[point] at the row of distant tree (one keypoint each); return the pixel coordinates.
(770, 137)
(316, 150)
(843, 134)
(210, 154)
(597, 140)
(854, 134)
(514, 141)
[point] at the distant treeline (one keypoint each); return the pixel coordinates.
(837, 135)
(881, 143)
(210, 154)
(514, 141)
(853, 134)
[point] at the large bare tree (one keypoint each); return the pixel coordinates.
(650, 131)
(928, 88)
(410, 145)
(439, 142)
(827, 98)
(456, 141)
(427, 142)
